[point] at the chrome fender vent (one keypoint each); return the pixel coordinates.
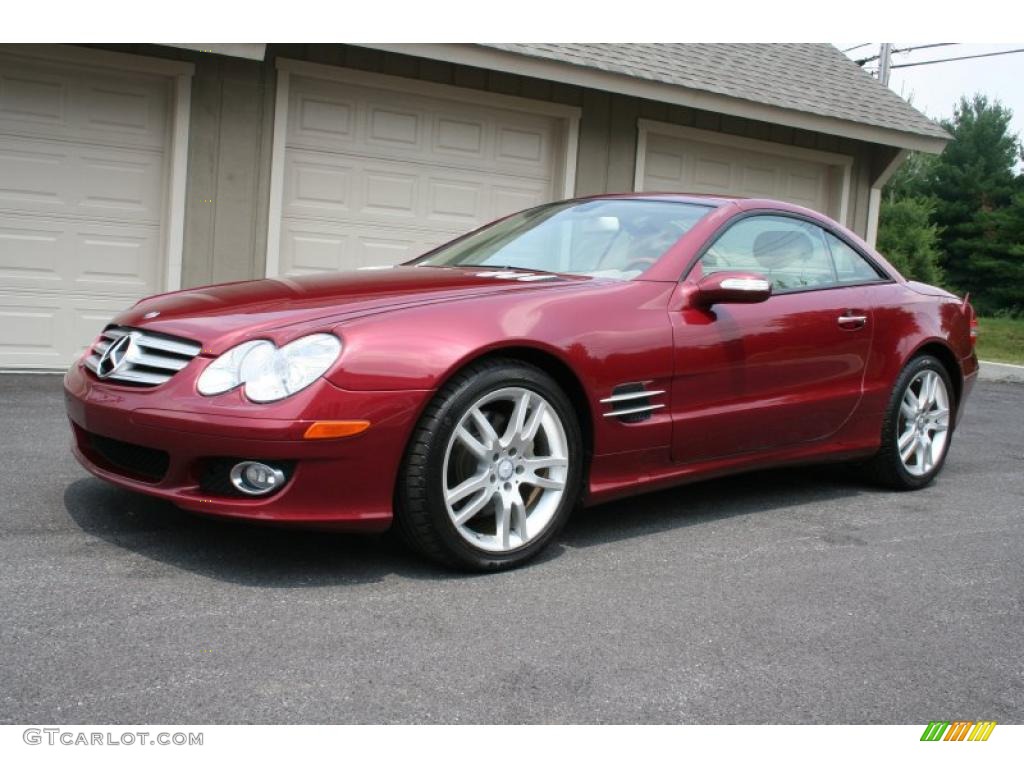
(633, 402)
(132, 356)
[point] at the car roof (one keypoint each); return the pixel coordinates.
(677, 197)
(713, 201)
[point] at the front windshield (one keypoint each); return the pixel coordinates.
(617, 238)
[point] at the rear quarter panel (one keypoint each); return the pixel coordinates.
(906, 321)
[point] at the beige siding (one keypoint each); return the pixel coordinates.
(232, 126)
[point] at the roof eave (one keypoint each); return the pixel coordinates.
(251, 51)
(587, 77)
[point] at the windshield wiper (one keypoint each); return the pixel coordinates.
(510, 267)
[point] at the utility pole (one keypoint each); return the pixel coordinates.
(884, 62)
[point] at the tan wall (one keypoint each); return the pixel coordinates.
(232, 127)
(228, 170)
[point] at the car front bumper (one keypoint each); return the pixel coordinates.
(172, 443)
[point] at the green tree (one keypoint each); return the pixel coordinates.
(1003, 257)
(908, 238)
(913, 177)
(973, 184)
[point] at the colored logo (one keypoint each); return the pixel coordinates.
(958, 730)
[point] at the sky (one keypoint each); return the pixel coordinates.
(935, 88)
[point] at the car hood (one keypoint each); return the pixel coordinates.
(219, 316)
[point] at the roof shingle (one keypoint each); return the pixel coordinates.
(812, 78)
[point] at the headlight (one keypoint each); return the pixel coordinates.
(269, 373)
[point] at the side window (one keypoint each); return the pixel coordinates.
(789, 252)
(851, 267)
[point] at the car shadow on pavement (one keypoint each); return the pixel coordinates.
(701, 502)
(280, 557)
(240, 552)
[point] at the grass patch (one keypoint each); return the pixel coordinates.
(1001, 339)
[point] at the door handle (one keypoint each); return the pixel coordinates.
(851, 321)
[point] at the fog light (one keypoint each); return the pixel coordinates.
(256, 478)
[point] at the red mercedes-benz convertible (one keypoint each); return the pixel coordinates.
(572, 353)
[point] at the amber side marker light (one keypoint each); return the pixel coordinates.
(325, 430)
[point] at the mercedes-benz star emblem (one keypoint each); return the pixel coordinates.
(114, 356)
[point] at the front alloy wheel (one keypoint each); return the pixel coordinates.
(493, 469)
(505, 469)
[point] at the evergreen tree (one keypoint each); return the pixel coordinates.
(1003, 261)
(913, 178)
(973, 185)
(908, 238)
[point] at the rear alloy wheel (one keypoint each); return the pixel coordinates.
(918, 427)
(923, 425)
(493, 469)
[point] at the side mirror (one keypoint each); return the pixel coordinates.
(732, 288)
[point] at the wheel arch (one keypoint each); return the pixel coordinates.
(556, 368)
(945, 355)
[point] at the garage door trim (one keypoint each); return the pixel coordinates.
(569, 115)
(842, 163)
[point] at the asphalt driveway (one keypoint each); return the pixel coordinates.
(793, 596)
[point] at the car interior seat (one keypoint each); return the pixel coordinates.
(785, 257)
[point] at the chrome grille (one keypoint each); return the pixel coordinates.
(147, 359)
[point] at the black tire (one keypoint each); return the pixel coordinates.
(422, 518)
(886, 467)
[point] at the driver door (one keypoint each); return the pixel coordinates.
(767, 376)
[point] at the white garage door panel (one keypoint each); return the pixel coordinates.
(324, 246)
(49, 330)
(376, 176)
(371, 122)
(83, 183)
(383, 192)
(73, 180)
(674, 164)
(41, 254)
(82, 106)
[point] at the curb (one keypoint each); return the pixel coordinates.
(1001, 372)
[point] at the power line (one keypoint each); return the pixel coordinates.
(847, 50)
(864, 61)
(922, 47)
(957, 58)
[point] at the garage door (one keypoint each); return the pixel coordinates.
(675, 159)
(377, 174)
(82, 189)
